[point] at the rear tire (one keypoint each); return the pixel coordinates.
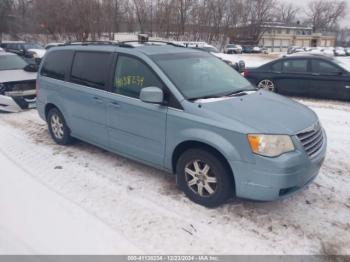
(204, 178)
(58, 128)
(267, 85)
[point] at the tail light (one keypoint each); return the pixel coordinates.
(246, 73)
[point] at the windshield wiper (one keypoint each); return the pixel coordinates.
(240, 92)
(204, 97)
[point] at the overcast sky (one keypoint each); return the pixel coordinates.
(303, 3)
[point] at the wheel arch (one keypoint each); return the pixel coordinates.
(192, 144)
(48, 107)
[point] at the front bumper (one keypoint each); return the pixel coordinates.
(270, 179)
(17, 103)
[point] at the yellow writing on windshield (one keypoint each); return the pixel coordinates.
(125, 81)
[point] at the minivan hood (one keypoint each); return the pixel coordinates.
(265, 112)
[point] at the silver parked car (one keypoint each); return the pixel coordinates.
(17, 83)
(233, 49)
(183, 111)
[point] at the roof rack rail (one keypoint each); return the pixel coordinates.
(150, 42)
(92, 43)
(126, 44)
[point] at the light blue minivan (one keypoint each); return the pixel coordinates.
(183, 111)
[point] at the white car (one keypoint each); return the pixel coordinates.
(233, 49)
(328, 51)
(17, 83)
(233, 60)
(339, 51)
(50, 45)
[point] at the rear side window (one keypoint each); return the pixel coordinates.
(322, 67)
(295, 66)
(91, 69)
(57, 64)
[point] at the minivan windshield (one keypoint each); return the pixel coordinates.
(200, 75)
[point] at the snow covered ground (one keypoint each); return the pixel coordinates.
(84, 200)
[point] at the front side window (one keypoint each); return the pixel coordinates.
(132, 75)
(322, 67)
(91, 69)
(56, 64)
(295, 66)
(201, 75)
(11, 62)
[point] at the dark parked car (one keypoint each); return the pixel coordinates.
(32, 52)
(304, 75)
(248, 49)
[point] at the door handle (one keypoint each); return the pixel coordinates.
(114, 105)
(316, 74)
(347, 87)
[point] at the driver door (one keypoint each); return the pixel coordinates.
(136, 129)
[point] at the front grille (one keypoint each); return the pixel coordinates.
(23, 86)
(312, 140)
(19, 86)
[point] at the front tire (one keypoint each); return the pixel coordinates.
(204, 178)
(58, 128)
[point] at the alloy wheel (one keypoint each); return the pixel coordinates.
(200, 178)
(267, 85)
(57, 126)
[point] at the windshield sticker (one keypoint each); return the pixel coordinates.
(126, 81)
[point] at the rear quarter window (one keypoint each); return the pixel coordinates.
(276, 67)
(91, 69)
(57, 64)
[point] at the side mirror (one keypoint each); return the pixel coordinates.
(153, 95)
(31, 68)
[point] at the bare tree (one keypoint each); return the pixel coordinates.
(325, 14)
(255, 14)
(343, 38)
(5, 15)
(142, 8)
(286, 12)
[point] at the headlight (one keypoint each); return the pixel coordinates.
(2, 88)
(35, 55)
(270, 145)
